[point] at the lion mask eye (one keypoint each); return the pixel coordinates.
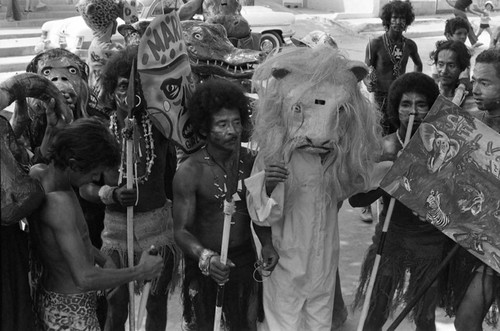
(198, 36)
(297, 108)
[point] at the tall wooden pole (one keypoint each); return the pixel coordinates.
(387, 221)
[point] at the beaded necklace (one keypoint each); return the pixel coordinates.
(221, 190)
(147, 128)
(395, 53)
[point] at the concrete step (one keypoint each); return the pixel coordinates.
(36, 19)
(18, 47)
(18, 33)
(17, 64)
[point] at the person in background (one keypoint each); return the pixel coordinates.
(460, 8)
(484, 23)
(452, 60)
(387, 55)
(13, 11)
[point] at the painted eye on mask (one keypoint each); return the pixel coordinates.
(46, 72)
(297, 108)
(171, 88)
(73, 70)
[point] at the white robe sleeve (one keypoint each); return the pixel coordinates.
(263, 210)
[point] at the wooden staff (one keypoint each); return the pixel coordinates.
(387, 221)
(229, 209)
(129, 135)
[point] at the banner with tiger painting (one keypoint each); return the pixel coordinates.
(450, 174)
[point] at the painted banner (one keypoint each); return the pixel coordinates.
(165, 73)
(450, 174)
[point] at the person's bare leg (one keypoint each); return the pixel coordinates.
(479, 32)
(475, 304)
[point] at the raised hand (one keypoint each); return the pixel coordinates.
(274, 174)
(150, 266)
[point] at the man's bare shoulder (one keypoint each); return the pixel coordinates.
(377, 42)
(37, 171)
(189, 170)
(411, 44)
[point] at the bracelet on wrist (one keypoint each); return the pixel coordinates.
(106, 194)
(204, 261)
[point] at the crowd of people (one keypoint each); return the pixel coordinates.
(66, 262)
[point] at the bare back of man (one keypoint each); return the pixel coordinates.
(61, 218)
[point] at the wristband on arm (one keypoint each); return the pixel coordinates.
(106, 194)
(204, 261)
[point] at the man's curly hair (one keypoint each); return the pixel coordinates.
(412, 82)
(118, 65)
(453, 24)
(210, 97)
(399, 8)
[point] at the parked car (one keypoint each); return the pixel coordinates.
(73, 33)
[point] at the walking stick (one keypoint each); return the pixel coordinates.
(423, 289)
(129, 136)
(387, 221)
(229, 209)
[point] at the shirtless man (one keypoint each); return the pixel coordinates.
(387, 55)
(66, 293)
(219, 112)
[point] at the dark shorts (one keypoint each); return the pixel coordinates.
(242, 306)
(484, 26)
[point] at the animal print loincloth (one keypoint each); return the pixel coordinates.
(75, 312)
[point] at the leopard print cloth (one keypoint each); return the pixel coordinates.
(74, 312)
(104, 12)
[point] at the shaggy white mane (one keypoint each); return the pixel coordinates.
(356, 134)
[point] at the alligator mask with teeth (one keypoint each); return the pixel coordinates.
(212, 54)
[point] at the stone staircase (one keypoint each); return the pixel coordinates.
(54, 9)
(18, 38)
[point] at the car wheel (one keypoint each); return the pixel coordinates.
(270, 41)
